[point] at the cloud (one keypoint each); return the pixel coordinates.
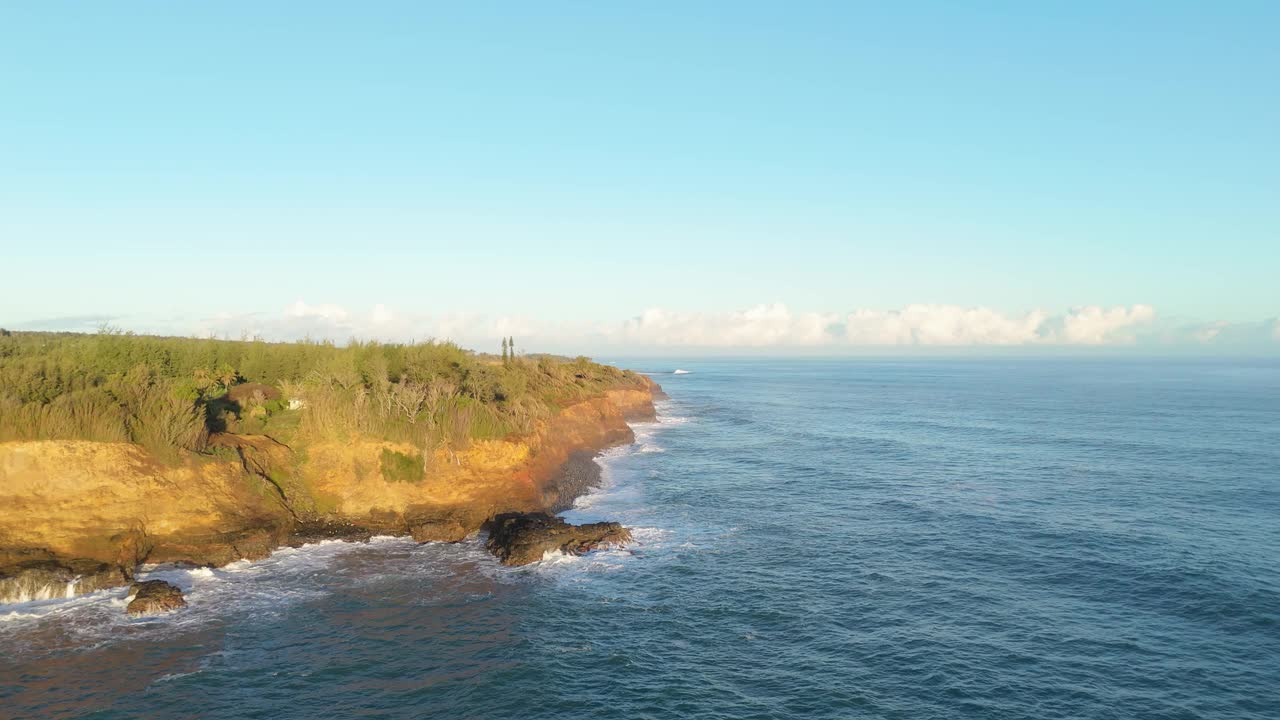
(1094, 325)
(1208, 332)
(762, 327)
(334, 322)
(914, 325)
(1258, 335)
(324, 313)
(942, 325)
(67, 323)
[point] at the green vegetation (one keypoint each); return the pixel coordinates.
(171, 394)
(398, 467)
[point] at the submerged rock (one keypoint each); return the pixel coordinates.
(154, 597)
(28, 575)
(523, 538)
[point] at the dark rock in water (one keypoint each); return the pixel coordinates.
(27, 575)
(310, 531)
(154, 597)
(522, 538)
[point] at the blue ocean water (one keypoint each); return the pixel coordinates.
(1021, 538)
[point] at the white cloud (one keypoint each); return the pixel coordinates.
(1095, 325)
(382, 316)
(333, 322)
(1218, 334)
(1208, 332)
(942, 325)
(331, 313)
(914, 325)
(760, 327)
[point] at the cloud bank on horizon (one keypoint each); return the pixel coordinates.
(913, 325)
(762, 327)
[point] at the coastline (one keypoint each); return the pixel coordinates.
(94, 545)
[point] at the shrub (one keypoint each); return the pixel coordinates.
(166, 421)
(170, 393)
(399, 467)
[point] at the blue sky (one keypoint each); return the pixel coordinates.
(722, 175)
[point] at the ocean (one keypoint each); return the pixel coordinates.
(869, 538)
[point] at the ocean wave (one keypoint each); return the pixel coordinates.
(559, 557)
(558, 563)
(650, 535)
(13, 615)
(262, 588)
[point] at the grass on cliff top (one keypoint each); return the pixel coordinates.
(170, 394)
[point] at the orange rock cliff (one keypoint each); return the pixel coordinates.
(77, 516)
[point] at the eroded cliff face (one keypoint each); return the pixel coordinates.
(111, 503)
(70, 505)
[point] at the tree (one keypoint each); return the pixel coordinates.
(505, 357)
(226, 375)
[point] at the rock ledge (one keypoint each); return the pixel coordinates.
(522, 538)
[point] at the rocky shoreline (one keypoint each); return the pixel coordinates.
(521, 529)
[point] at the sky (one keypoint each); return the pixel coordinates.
(647, 177)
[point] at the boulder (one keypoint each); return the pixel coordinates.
(523, 538)
(154, 597)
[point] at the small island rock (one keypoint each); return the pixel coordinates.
(154, 597)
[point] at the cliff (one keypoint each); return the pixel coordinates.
(80, 515)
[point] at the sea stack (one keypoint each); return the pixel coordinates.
(154, 597)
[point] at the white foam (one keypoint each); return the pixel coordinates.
(567, 565)
(261, 588)
(16, 615)
(682, 372)
(649, 535)
(559, 557)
